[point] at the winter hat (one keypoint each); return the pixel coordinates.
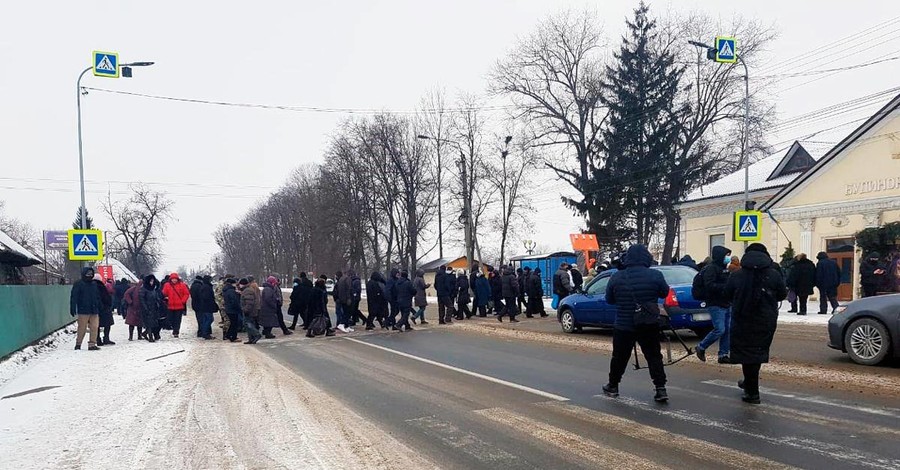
(230, 280)
(758, 247)
(272, 280)
(243, 281)
(537, 270)
(527, 268)
(98, 277)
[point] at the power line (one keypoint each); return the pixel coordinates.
(304, 109)
(818, 72)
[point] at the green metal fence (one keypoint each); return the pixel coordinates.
(28, 313)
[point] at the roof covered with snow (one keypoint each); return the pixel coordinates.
(775, 171)
(15, 254)
(120, 271)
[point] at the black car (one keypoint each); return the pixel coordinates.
(867, 329)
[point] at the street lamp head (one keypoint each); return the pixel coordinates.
(422, 136)
(508, 139)
(699, 44)
(138, 64)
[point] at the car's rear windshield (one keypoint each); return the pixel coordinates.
(678, 275)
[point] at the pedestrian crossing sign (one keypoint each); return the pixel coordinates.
(747, 226)
(726, 49)
(106, 64)
(85, 245)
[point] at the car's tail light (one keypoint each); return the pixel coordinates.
(671, 299)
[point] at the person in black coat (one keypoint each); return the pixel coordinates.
(317, 310)
(577, 278)
(405, 293)
(872, 274)
(627, 290)
(520, 299)
(106, 315)
(462, 297)
(122, 285)
(715, 276)
(445, 286)
(510, 289)
(84, 304)
(390, 293)
(688, 261)
(376, 301)
(496, 291)
(801, 279)
(203, 302)
(300, 301)
(152, 307)
(828, 278)
(535, 288)
(232, 300)
(755, 290)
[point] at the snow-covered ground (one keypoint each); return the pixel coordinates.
(210, 404)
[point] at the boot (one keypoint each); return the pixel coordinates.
(611, 390)
(108, 342)
(93, 348)
(661, 395)
(513, 320)
(423, 322)
(77, 347)
(751, 399)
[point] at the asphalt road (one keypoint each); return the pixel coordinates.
(470, 400)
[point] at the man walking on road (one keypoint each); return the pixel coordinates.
(231, 308)
(84, 303)
(715, 276)
(535, 287)
(628, 290)
(405, 293)
(828, 278)
(801, 279)
(250, 302)
(341, 295)
(510, 293)
(445, 285)
(300, 300)
(376, 301)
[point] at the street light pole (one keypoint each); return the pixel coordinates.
(745, 159)
(80, 147)
(126, 67)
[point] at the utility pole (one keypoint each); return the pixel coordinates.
(466, 216)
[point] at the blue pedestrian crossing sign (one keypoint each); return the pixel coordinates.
(747, 226)
(726, 49)
(85, 245)
(106, 64)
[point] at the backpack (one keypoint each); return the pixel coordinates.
(318, 326)
(698, 286)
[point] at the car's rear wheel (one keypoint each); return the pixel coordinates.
(867, 341)
(567, 321)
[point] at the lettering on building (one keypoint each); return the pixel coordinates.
(873, 186)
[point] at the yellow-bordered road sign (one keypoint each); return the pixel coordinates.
(747, 226)
(85, 245)
(726, 49)
(106, 64)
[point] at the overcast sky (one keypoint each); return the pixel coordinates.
(216, 162)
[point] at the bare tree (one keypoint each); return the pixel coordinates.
(139, 222)
(553, 78)
(436, 121)
(508, 176)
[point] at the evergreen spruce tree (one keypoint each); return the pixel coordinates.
(87, 218)
(640, 93)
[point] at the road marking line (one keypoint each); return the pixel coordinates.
(892, 412)
(700, 449)
(808, 417)
(454, 437)
(587, 450)
(464, 371)
(832, 451)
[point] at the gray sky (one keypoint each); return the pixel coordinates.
(216, 162)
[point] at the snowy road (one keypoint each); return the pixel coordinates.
(214, 405)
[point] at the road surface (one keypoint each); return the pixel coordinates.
(465, 398)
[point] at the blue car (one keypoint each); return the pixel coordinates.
(589, 307)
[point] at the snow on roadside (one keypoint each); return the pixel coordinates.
(214, 405)
(20, 360)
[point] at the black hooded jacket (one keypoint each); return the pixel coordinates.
(85, 298)
(633, 285)
(802, 277)
(300, 295)
(755, 291)
(867, 270)
(232, 300)
(828, 274)
(715, 276)
(375, 298)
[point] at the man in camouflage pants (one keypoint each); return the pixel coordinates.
(225, 323)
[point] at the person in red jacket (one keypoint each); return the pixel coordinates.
(177, 295)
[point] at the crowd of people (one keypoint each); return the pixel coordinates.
(742, 295)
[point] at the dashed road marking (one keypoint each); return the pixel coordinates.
(454, 437)
(703, 450)
(832, 451)
(892, 412)
(464, 371)
(587, 450)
